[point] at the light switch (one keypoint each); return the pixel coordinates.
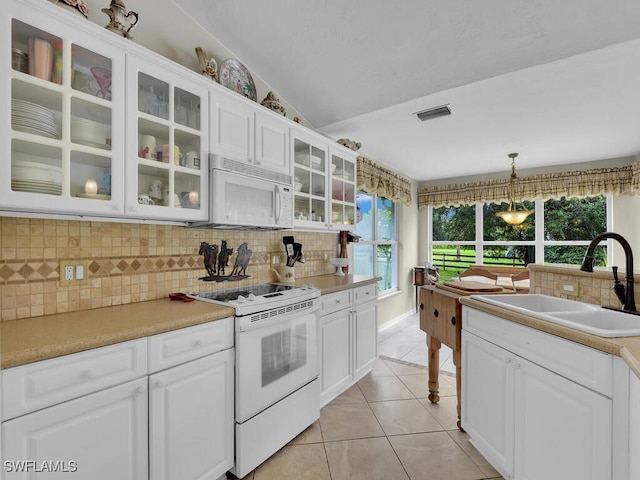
(79, 272)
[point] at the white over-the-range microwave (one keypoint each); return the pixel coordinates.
(247, 196)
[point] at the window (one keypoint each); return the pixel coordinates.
(376, 252)
(558, 232)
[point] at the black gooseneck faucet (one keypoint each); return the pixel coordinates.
(628, 299)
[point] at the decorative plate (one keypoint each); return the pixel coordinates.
(236, 77)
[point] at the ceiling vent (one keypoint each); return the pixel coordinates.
(435, 112)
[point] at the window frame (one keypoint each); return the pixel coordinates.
(375, 242)
(539, 242)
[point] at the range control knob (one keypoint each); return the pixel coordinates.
(251, 297)
(241, 299)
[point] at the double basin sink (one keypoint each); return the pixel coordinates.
(569, 313)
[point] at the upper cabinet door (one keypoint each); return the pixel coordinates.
(310, 163)
(272, 143)
(63, 141)
(167, 142)
(232, 128)
(342, 185)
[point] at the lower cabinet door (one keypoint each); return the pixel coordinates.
(191, 419)
(563, 430)
(488, 400)
(365, 321)
(102, 436)
(335, 345)
(634, 425)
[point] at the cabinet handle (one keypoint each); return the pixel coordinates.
(337, 302)
(422, 306)
(141, 389)
(88, 374)
(159, 383)
(435, 312)
(453, 320)
(507, 360)
(197, 343)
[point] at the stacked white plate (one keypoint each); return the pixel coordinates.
(87, 132)
(36, 177)
(33, 118)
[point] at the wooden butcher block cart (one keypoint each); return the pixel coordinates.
(441, 317)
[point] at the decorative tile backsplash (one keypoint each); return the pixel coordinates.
(129, 263)
(595, 288)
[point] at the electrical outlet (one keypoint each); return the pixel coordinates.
(570, 289)
(73, 272)
(275, 260)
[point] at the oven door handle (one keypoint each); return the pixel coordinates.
(268, 322)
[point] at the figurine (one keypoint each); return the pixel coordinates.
(117, 12)
(242, 260)
(350, 144)
(223, 257)
(208, 65)
(273, 103)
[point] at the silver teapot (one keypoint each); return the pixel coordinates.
(119, 18)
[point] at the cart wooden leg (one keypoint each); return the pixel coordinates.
(433, 345)
(457, 361)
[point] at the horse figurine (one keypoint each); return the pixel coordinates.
(210, 255)
(223, 257)
(242, 260)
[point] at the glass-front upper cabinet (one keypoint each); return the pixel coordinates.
(62, 142)
(310, 161)
(167, 143)
(343, 191)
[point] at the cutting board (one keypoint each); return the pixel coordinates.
(469, 286)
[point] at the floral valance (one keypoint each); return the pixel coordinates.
(598, 181)
(372, 178)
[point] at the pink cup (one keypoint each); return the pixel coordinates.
(40, 58)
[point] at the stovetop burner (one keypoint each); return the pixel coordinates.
(230, 294)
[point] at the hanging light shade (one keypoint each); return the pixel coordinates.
(512, 215)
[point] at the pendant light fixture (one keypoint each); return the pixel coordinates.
(512, 215)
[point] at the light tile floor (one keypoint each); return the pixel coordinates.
(383, 428)
(403, 340)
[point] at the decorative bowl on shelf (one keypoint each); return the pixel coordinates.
(339, 263)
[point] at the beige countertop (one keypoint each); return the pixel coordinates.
(39, 338)
(626, 347)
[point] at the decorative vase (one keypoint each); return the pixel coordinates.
(79, 7)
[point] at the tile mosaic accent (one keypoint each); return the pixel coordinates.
(128, 263)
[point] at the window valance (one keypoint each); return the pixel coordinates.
(372, 178)
(598, 181)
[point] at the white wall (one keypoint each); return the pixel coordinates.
(407, 236)
(626, 210)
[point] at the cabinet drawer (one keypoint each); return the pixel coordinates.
(335, 301)
(41, 384)
(584, 365)
(180, 346)
(365, 294)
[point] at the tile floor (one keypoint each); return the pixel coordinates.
(384, 428)
(403, 340)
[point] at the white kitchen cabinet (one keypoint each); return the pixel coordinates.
(64, 140)
(324, 182)
(191, 419)
(342, 185)
(101, 436)
(167, 145)
(348, 338)
(249, 133)
(335, 339)
(634, 425)
(531, 422)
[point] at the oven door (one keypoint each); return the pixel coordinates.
(274, 358)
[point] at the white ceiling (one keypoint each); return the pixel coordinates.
(557, 82)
